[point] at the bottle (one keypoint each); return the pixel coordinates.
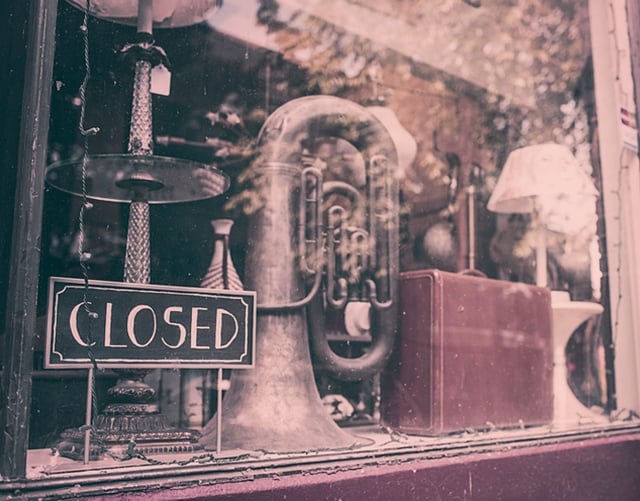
(222, 273)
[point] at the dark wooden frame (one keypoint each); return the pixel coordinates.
(24, 261)
(584, 461)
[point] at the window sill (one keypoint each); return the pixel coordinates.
(244, 472)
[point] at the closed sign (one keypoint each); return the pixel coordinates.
(123, 325)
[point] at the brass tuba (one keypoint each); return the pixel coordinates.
(300, 260)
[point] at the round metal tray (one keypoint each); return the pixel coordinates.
(182, 180)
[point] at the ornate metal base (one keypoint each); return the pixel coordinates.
(123, 435)
(72, 443)
(131, 424)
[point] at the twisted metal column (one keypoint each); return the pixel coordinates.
(137, 267)
(137, 256)
(141, 128)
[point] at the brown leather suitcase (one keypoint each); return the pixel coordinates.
(472, 353)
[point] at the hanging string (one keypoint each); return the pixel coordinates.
(267, 86)
(83, 254)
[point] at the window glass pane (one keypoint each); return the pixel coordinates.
(403, 185)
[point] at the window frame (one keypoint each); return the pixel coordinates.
(620, 190)
(22, 284)
(23, 267)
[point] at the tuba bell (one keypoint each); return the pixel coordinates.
(302, 259)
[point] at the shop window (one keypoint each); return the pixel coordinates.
(414, 192)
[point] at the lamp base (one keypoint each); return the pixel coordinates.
(127, 435)
(568, 315)
(131, 424)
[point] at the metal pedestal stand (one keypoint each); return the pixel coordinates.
(131, 422)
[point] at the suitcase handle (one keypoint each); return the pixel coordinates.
(472, 273)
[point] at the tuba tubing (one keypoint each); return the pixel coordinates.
(384, 318)
(281, 142)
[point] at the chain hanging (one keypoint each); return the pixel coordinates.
(83, 254)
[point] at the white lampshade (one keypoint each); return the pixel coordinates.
(404, 142)
(166, 13)
(547, 180)
(538, 172)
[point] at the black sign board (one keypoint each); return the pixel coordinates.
(123, 325)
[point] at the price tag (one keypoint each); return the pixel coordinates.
(161, 80)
